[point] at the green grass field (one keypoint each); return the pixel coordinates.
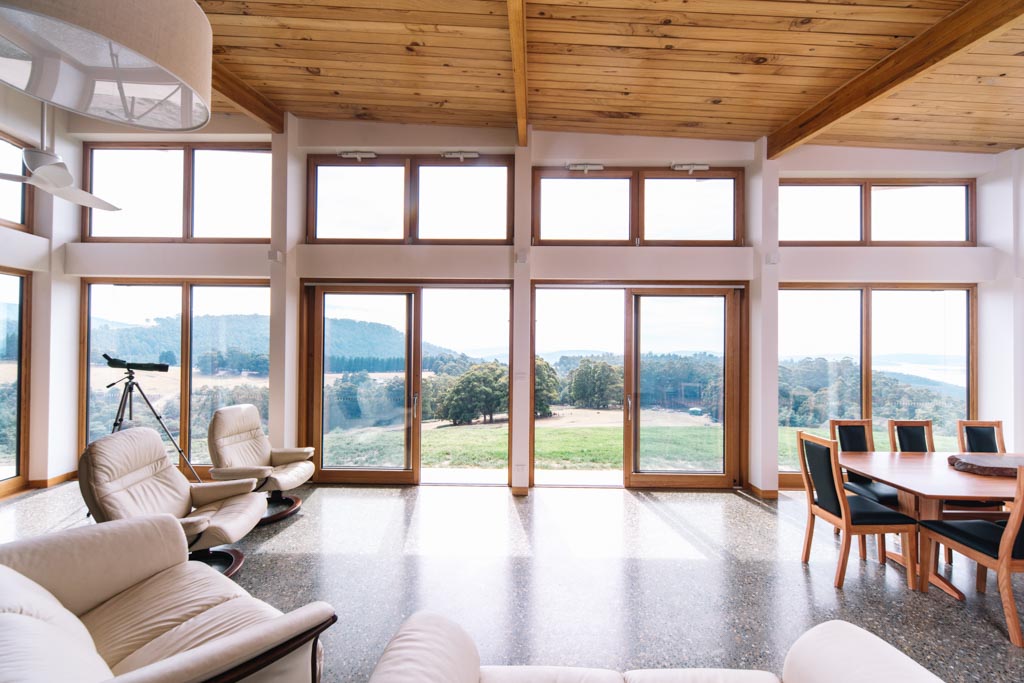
(486, 446)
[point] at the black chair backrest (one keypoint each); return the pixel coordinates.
(981, 440)
(853, 438)
(819, 465)
(912, 438)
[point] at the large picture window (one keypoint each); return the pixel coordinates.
(410, 199)
(877, 212)
(632, 206)
(13, 347)
(224, 347)
(880, 352)
(179, 192)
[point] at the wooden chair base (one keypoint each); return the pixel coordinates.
(279, 507)
(225, 560)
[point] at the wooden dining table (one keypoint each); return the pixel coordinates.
(923, 481)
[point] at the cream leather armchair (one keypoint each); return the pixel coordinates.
(128, 474)
(121, 602)
(240, 449)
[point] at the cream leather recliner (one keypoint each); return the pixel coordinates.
(128, 474)
(239, 448)
(121, 602)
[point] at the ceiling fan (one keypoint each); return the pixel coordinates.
(50, 173)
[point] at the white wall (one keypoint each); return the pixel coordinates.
(996, 264)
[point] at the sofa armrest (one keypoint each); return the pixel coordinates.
(284, 456)
(86, 566)
(823, 654)
(233, 473)
(243, 653)
(204, 494)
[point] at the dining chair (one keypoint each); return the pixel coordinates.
(912, 436)
(980, 436)
(991, 544)
(857, 435)
(853, 515)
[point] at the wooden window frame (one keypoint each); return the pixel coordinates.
(311, 369)
(738, 193)
(792, 480)
(185, 385)
(188, 197)
(637, 176)
(21, 480)
(738, 376)
(866, 184)
(27, 192)
(412, 164)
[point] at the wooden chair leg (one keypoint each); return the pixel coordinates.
(910, 557)
(949, 556)
(881, 548)
(862, 546)
(1009, 606)
(981, 579)
(808, 536)
(928, 558)
(844, 557)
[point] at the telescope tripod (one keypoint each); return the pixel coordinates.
(127, 394)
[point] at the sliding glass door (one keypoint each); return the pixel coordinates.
(682, 408)
(410, 383)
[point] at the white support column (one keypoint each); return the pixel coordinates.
(522, 319)
(763, 236)
(53, 388)
(287, 221)
(1001, 299)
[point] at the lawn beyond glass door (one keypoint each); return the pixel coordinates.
(365, 381)
(464, 380)
(681, 375)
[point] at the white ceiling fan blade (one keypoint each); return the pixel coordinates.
(13, 178)
(56, 174)
(76, 196)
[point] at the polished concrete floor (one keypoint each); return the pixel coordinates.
(595, 577)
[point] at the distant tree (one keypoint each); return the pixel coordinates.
(595, 384)
(168, 357)
(481, 390)
(545, 387)
(435, 390)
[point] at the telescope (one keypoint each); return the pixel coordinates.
(142, 367)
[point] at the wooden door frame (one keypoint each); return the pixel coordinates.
(411, 473)
(632, 477)
(311, 371)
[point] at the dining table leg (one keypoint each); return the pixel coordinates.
(924, 508)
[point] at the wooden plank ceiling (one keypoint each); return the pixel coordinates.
(719, 69)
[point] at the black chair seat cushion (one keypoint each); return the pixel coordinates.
(978, 534)
(874, 490)
(868, 512)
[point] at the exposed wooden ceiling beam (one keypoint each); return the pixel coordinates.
(967, 26)
(517, 36)
(247, 98)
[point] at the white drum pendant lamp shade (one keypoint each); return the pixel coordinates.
(144, 63)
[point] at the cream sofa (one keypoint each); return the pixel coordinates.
(120, 601)
(429, 648)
